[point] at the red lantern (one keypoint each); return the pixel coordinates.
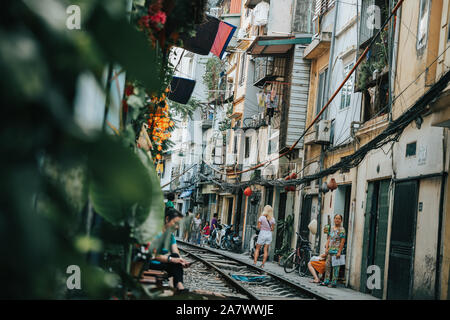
(293, 175)
(292, 188)
(332, 185)
(248, 192)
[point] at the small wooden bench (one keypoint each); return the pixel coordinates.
(154, 277)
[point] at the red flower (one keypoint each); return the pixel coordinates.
(159, 17)
(129, 90)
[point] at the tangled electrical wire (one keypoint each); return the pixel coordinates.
(391, 134)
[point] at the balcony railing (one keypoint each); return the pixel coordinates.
(267, 69)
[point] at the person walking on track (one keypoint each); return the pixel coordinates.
(266, 224)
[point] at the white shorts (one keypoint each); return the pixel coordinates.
(264, 237)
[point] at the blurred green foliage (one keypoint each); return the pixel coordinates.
(54, 176)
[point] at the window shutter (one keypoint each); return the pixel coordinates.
(322, 7)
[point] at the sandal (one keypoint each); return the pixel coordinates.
(261, 266)
(181, 291)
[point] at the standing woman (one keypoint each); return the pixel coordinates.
(196, 227)
(334, 246)
(266, 224)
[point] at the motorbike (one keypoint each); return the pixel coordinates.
(253, 240)
(220, 238)
(215, 239)
(212, 238)
(232, 240)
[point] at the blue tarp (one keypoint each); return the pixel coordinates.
(186, 194)
(248, 278)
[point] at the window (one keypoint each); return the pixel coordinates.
(346, 92)
(242, 68)
(422, 28)
(411, 149)
(273, 142)
(247, 147)
(321, 94)
(302, 22)
(374, 13)
(322, 6)
(235, 151)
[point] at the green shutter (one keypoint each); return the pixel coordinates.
(380, 247)
(363, 272)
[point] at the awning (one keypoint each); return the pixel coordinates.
(186, 194)
(269, 45)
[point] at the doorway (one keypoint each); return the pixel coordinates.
(305, 217)
(251, 217)
(281, 214)
(230, 210)
(375, 232)
(401, 255)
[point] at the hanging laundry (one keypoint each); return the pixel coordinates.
(273, 93)
(205, 35)
(223, 38)
(211, 36)
(261, 13)
(181, 89)
(267, 101)
(260, 98)
(274, 101)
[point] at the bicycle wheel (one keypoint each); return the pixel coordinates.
(290, 263)
(305, 256)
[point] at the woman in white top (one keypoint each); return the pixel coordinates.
(266, 224)
(195, 229)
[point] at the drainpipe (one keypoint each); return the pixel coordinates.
(322, 151)
(355, 185)
(390, 61)
(319, 202)
(437, 289)
(330, 62)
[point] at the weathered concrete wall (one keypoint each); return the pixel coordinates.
(426, 239)
(280, 17)
(429, 151)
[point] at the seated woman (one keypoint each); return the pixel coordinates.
(317, 263)
(172, 263)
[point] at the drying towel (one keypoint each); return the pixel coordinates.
(224, 34)
(181, 89)
(204, 37)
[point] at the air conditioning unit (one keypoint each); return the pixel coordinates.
(323, 132)
(230, 159)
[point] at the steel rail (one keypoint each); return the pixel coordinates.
(227, 278)
(251, 266)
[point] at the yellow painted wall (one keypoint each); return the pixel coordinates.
(411, 63)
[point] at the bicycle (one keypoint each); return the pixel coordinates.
(298, 259)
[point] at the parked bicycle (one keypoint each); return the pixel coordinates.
(298, 259)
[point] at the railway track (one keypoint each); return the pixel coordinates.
(237, 279)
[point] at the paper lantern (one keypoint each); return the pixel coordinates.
(293, 175)
(332, 185)
(248, 192)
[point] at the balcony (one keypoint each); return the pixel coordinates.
(441, 109)
(268, 69)
(318, 46)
